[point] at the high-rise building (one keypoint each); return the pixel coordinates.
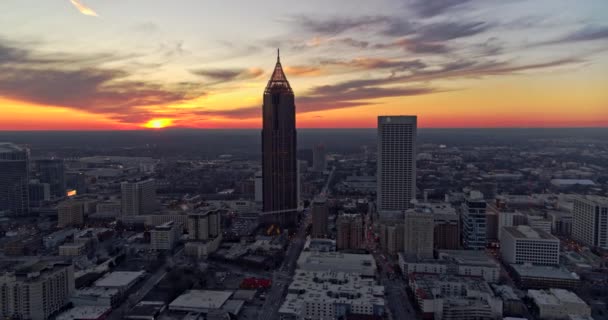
(165, 236)
(279, 148)
(474, 221)
(319, 162)
(39, 192)
(52, 171)
(590, 221)
(396, 165)
(70, 213)
(138, 197)
(320, 214)
(36, 292)
(350, 232)
(418, 234)
(204, 225)
(391, 236)
(14, 179)
(258, 187)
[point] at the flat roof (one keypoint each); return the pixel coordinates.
(527, 232)
(549, 272)
(337, 261)
(119, 279)
(84, 312)
(195, 300)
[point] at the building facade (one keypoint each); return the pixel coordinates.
(590, 221)
(52, 171)
(36, 292)
(396, 171)
(14, 179)
(279, 165)
(319, 161)
(320, 215)
(523, 244)
(474, 221)
(70, 213)
(165, 236)
(418, 234)
(350, 232)
(138, 197)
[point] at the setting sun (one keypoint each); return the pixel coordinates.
(158, 123)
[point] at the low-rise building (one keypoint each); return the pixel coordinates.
(121, 280)
(73, 249)
(544, 277)
(201, 301)
(85, 313)
(96, 296)
(331, 295)
(523, 244)
(363, 264)
(558, 304)
(455, 262)
(442, 296)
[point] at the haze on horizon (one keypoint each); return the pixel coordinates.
(103, 65)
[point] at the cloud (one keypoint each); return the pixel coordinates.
(378, 63)
(416, 45)
(80, 83)
(302, 71)
(228, 75)
(588, 33)
(335, 25)
(83, 9)
(445, 31)
(430, 8)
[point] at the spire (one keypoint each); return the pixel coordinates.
(278, 80)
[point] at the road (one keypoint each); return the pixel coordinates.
(148, 285)
(284, 275)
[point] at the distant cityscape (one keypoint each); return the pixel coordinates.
(388, 225)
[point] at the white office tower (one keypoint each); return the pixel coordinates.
(524, 244)
(396, 165)
(474, 221)
(138, 197)
(590, 221)
(418, 234)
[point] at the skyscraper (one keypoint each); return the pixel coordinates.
(319, 158)
(474, 221)
(138, 197)
(70, 213)
(14, 180)
(320, 214)
(590, 225)
(52, 171)
(279, 146)
(396, 165)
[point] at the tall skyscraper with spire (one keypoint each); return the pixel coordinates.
(279, 169)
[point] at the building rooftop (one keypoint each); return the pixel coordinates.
(527, 270)
(96, 292)
(145, 309)
(194, 300)
(527, 232)
(84, 313)
(119, 279)
(363, 264)
(554, 297)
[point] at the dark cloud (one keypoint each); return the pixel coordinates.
(430, 8)
(78, 82)
(228, 75)
(416, 45)
(335, 25)
(588, 33)
(378, 63)
(445, 31)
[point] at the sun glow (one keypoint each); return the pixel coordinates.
(158, 123)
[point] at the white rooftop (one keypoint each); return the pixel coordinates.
(119, 279)
(84, 313)
(363, 264)
(200, 300)
(555, 296)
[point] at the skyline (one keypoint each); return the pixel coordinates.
(105, 65)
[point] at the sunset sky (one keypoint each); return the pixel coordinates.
(131, 64)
